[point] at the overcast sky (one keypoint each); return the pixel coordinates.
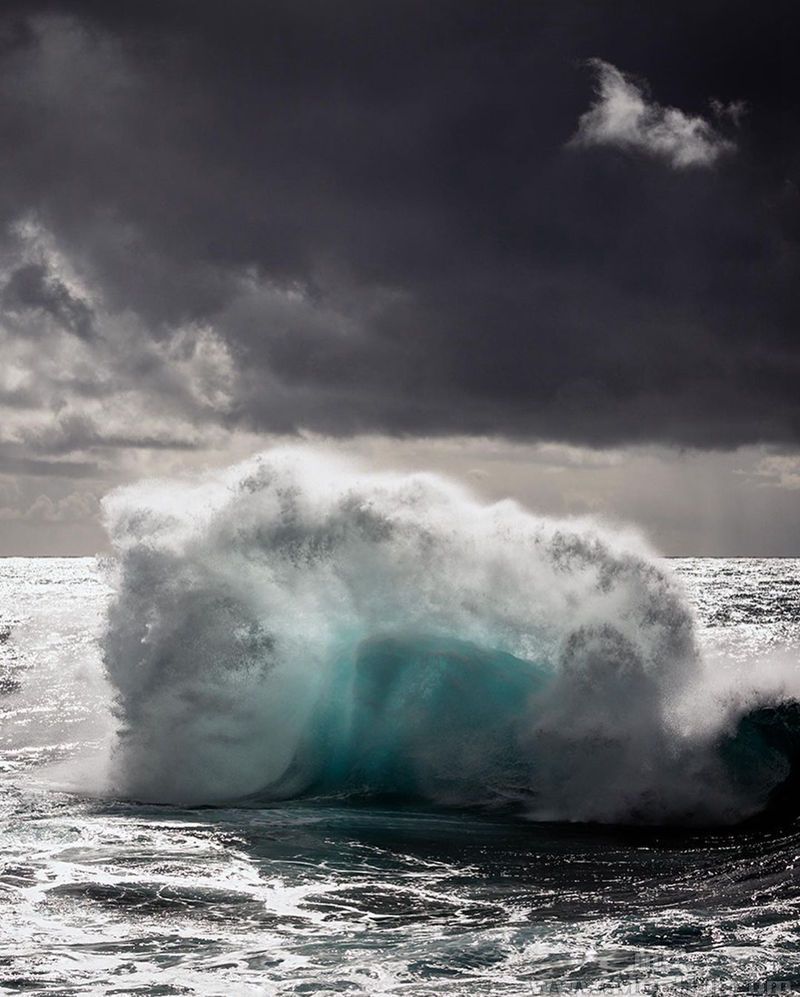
(549, 247)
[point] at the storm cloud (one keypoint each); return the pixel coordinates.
(406, 218)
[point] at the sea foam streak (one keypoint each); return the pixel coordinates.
(294, 626)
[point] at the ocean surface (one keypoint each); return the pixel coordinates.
(327, 895)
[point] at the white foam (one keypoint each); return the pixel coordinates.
(240, 594)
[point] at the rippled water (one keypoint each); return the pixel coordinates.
(101, 896)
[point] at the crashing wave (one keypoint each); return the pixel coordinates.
(294, 626)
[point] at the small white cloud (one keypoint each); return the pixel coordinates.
(79, 507)
(778, 471)
(204, 365)
(623, 117)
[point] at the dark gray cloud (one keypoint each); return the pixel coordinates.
(375, 214)
(30, 287)
(17, 462)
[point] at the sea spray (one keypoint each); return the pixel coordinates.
(296, 626)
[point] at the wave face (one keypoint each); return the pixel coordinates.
(294, 626)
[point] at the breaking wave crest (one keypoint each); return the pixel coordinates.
(294, 626)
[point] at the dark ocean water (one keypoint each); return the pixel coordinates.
(99, 895)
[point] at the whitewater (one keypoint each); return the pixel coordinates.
(312, 729)
(297, 627)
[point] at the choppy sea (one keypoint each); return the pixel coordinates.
(104, 895)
